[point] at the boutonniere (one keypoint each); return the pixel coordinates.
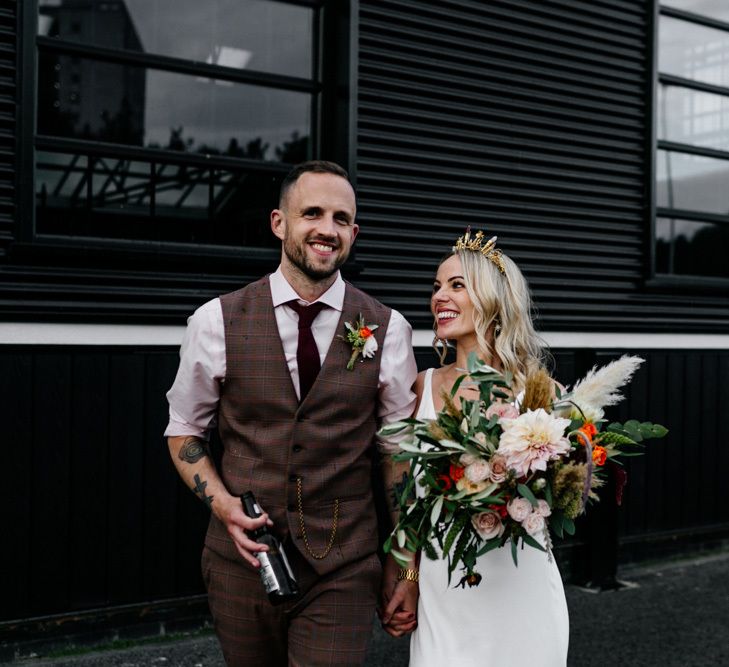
(359, 336)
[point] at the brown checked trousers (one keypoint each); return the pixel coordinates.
(273, 445)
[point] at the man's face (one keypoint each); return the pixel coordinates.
(316, 224)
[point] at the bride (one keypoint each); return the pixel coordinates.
(517, 615)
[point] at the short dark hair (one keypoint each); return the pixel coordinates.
(313, 166)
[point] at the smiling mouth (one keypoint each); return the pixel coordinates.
(322, 248)
(446, 315)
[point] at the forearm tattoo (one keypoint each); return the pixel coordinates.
(192, 450)
(398, 488)
(199, 489)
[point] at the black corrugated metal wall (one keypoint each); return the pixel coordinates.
(8, 89)
(529, 118)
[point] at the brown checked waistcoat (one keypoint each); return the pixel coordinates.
(270, 440)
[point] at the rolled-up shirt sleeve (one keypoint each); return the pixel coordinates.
(397, 377)
(193, 398)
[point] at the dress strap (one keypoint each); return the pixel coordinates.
(427, 405)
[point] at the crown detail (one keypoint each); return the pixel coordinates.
(476, 244)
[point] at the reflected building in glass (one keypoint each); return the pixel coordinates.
(85, 98)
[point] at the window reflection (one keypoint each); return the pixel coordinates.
(693, 117)
(715, 9)
(694, 51)
(110, 197)
(692, 182)
(87, 99)
(261, 35)
(686, 247)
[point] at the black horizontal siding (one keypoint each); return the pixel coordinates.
(528, 119)
(8, 93)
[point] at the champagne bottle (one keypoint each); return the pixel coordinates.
(276, 574)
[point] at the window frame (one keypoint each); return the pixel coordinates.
(329, 101)
(658, 78)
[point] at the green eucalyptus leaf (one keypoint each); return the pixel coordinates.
(527, 493)
(490, 545)
(403, 560)
(528, 539)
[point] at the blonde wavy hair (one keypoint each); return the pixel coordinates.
(502, 301)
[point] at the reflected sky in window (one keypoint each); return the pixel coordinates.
(715, 9)
(692, 182)
(693, 51)
(693, 117)
(87, 99)
(261, 35)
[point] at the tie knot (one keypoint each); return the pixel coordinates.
(306, 313)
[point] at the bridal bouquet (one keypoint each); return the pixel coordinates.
(498, 470)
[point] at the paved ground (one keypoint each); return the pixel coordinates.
(673, 614)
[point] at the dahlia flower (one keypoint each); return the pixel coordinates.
(532, 439)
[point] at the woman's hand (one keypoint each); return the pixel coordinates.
(398, 613)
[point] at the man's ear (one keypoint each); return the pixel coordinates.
(355, 231)
(278, 223)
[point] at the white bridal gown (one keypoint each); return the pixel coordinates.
(516, 616)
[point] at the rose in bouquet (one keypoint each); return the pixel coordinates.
(504, 468)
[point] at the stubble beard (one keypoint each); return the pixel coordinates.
(296, 254)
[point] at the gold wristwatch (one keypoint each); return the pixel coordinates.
(408, 575)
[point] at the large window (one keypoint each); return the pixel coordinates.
(172, 121)
(692, 158)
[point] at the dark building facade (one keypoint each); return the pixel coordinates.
(141, 149)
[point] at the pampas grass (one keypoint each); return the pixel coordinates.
(599, 388)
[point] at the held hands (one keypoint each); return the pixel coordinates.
(398, 613)
(238, 525)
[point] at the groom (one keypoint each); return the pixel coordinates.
(267, 365)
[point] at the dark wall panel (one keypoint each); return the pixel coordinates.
(530, 119)
(51, 488)
(128, 441)
(18, 412)
(678, 485)
(92, 500)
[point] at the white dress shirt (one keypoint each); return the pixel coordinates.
(194, 396)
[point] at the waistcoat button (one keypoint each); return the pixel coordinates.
(297, 448)
(293, 478)
(292, 508)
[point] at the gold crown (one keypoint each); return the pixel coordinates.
(476, 244)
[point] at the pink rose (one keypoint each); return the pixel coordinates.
(478, 471)
(543, 508)
(467, 459)
(534, 523)
(502, 410)
(519, 509)
(487, 525)
(499, 471)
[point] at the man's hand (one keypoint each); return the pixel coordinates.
(237, 523)
(192, 460)
(398, 613)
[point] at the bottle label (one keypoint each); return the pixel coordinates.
(267, 575)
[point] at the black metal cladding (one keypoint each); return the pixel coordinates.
(8, 32)
(529, 119)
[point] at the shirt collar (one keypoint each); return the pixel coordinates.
(281, 291)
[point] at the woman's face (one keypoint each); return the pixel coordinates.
(450, 304)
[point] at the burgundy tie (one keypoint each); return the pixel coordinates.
(307, 353)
